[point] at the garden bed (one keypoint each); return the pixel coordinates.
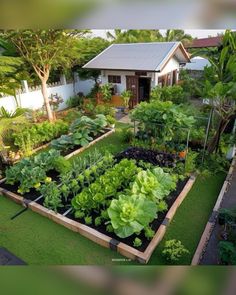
(100, 236)
(147, 155)
(77, 150)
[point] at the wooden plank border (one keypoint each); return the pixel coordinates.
(102, 239)
(213, 218)
(80, 150)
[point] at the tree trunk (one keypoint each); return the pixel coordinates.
(46, 101)
(216, 138)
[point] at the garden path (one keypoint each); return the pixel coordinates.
(210, 256)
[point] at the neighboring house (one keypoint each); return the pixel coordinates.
(196, 67)
(205, 43)
(138, 67)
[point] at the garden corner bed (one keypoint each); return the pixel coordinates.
(67, 215)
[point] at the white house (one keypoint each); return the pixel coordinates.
(140, 66)
(196, 66)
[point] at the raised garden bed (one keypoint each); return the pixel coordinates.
(99, 234)
(77, 150)
(151, 156)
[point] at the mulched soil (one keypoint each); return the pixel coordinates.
(154, 157)
(67, 152)
(32, 194)
(154, 225)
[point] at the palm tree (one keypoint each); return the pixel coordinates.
(177, 35)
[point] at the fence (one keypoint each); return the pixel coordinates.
(32, 98)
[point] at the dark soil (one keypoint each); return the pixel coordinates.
(67, 152)
(154, 157)
(154, 225)
(32, 194)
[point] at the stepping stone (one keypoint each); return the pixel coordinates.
(7, 258)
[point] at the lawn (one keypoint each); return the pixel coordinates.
(38, 240)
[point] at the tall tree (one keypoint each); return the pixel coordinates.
(45, 50)
(87, 49)
(134, 36)
(177, 35)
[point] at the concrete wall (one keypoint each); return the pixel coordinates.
(33, 98)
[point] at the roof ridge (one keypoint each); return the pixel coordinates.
(160, 42)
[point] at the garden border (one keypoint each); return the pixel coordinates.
(213, 218)
(76, 152)
(80, 150)
(102, 239)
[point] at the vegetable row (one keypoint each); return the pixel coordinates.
(126, 196)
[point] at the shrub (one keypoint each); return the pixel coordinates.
(161, 120)
(74, 101)
(174, 250)
(127, 135)
(173, 93)
(106, 90)
(104, 109)
(227, 252)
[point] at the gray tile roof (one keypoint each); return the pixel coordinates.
(134, 56)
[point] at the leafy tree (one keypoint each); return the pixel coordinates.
(177, 35)
(45, 50)
(133, 36)
(220, 84)
(87, 49)
(10, 70)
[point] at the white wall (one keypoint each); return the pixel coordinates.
(84, 86)
(34, 99)
(172, 65)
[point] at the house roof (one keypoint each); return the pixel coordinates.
(205, 42)
(197, 64)
(138, 56)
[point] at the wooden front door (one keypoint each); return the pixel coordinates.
(132, 85)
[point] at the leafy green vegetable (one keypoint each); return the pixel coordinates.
(137, 242)
(153, 185)
(130, 214)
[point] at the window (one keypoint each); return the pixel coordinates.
(114, 79)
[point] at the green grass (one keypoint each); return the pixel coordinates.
(112, 143)
(38, 240)
(192, 216)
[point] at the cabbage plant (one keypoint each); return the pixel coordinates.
(154, 185)
(131, 214)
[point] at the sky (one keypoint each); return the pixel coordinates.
(194, 33)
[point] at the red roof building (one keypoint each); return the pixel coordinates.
(205, 42)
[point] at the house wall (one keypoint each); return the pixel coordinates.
(122, 86)
(172, 65)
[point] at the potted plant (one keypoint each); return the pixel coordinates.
(126, 95)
